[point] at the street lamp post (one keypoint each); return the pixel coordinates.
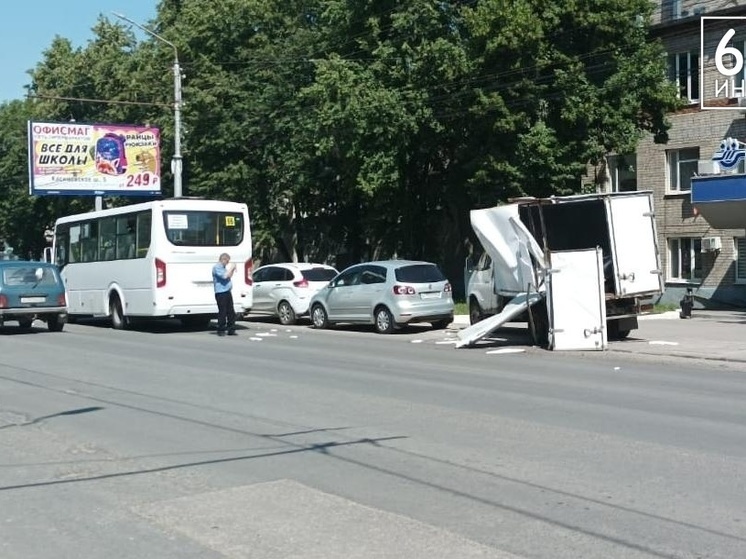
(176, 162)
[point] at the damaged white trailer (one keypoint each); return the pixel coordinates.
(576, 267)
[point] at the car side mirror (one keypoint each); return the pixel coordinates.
(469, 264)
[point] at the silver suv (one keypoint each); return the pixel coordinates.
(388, 294)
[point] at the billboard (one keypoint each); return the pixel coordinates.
(94, 159)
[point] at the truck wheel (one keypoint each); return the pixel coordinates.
(613, 332)
(475, 312)
(538, 321)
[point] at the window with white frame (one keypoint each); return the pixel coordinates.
(682, 165)
(685, 259)
(622, 170)
(683, 70)
(740, 258)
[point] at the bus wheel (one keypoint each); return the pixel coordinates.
(118, 320)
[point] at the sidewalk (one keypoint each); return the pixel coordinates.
(712, 335)
(709, 335)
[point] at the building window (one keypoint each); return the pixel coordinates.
(685, 259)
(740, 258)
(683, 70)
(622, 170)
(682, 165)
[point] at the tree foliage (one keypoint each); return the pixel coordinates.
(357, 129)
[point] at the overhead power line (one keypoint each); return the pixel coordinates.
(102, 101)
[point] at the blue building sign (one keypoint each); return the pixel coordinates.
(731, 152)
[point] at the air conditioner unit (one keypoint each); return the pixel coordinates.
(711, 244)
(707, 167)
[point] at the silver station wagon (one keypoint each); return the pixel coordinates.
(32, 290)
(388, 294)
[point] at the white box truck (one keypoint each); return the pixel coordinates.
(577, 267)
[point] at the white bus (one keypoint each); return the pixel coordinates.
(153, 259)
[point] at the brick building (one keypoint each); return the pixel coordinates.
(694, 254)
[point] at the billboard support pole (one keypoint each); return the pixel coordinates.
(176, 163)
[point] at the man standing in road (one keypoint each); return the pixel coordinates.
(221, 279)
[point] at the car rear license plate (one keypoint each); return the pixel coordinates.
(33, 299)
(430, 295)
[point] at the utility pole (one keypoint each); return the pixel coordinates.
(176, 161)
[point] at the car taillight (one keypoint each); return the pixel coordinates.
(160, 273)
(447, 287)
(62, 300)
(301, 283)
(3, 301)
(248, 272)
(404, 290)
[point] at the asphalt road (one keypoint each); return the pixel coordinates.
(296, 443)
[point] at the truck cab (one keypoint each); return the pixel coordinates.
(482, 296)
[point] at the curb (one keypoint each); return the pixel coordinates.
(681, 355)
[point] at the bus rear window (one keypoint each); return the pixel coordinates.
(203, 228)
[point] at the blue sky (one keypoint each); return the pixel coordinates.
(27, 28)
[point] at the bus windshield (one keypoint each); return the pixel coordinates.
(204, 228)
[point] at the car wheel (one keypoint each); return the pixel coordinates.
(384, 321)
(319, 317)
(286, 313)
(118, 320)
(475, 312)
(441, 324)
(25, 323)
(55, 323)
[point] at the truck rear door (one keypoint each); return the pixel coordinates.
(576, 301)
(634, 245)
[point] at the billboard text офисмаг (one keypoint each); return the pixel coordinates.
(94, 159)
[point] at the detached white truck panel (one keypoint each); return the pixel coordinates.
(575, 298)
(634, 245)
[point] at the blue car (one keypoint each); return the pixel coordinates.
(30, 291)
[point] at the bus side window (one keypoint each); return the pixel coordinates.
(89, 241)
(74, 254)
(108, 238)
(60, 248)
(126, 237)
(144, 222)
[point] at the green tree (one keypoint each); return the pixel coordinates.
(367, 128)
